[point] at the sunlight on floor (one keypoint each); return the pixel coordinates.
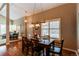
(3, 50)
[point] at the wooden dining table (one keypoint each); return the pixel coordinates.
(46, 44)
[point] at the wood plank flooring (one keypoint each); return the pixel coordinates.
(15, 49)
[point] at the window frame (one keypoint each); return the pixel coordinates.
(49, 28)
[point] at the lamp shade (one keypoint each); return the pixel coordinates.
(25, 21)
(37, 25)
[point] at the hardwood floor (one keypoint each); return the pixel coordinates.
(15, 49)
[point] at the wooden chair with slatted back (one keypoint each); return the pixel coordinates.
(25, 44)
(56, 47)
(36, 47)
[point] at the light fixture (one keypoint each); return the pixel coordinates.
(37, 25)
(32, 25)
(25, 21)
(25, 18)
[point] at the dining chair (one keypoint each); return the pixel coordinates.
(36, 47)
(25, 44)
(56, 47)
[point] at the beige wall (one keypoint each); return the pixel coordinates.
(29, 29)
(78, 26)
(67, 13)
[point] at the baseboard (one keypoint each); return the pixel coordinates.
(71, 50)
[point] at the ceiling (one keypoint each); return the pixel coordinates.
(18, 10)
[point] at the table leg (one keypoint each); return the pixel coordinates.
(47, 52)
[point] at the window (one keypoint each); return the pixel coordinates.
(2, 29)
(51, 28)
(44, 28)
(12, 28)
(54, 29)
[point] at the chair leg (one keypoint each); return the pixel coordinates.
(22, 49)
(53, 54)
(39, 53)
(43, 52)
(27, 51)
(60, 54)
(32, 52)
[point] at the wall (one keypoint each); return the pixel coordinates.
(29, 29)
(78, 26)
(67, 13)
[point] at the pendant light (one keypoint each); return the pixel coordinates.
(25, 19)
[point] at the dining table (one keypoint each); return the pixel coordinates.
(46, 44)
